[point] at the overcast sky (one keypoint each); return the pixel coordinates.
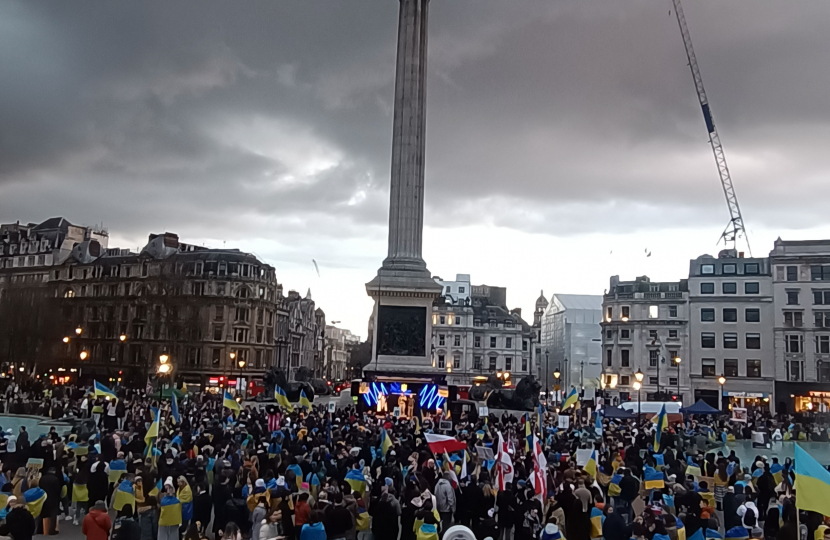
(563, 137)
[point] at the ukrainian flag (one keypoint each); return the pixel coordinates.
(662, 422)
(101, 390)
(571, 399)
(304, 402)
(356, 480)
(4, 499)
(681, 528)
(698, 535)
(528, 433)
(153, 431)
(591, 466)
(653, 478)
(661, 537)
(313, 481)
(812, 483)
(171, 511)
(174, 408)
(598, 424)
(777, 471)
(712, 534)
(614, 489)
(385, 443)
(80, 493)
(185, 496)
(660, 461)
(231, 403)
(124, 495)
(597, 519)
(298, 472)
(693, 470)
(34, 499)
(737, 533)
(282, 399)
(156, 489)
(117, 468)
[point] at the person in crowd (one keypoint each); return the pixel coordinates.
(97, 523)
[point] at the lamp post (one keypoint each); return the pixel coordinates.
(547, 385)
(556, 375)
(638, 384)
(163, 369)
(232, 356)
(721, 382)
(676, 361)
(241, 364)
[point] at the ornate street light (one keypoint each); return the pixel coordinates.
(84, 355)
(79, 331)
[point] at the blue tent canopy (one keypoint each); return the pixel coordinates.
(617, 413)
(701, 407)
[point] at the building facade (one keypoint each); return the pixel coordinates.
(571, 341)
(730, 325)
(479, 335)
(645, 329)
(339, 344)
(801, 289)
(306, 335)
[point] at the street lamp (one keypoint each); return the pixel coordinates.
(122, 337)
(638, 384)
(65, 339)
(721, 382)
(79, 331)
(84, 355)
(163, 359)
(676, 361)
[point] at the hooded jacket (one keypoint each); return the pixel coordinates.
(444, 496)
(97, 525)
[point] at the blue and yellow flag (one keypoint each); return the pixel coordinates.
(812, 483)
(298, 473)
(185, 496)
(385, 443)
(80, 493)
(304, 402)
(124, 495)
(171, 511)
(698, 535)
(653, 478)
(153, 431)
(571, 399)
(174, 408)
(712, 534)
(597, 519)
(156, 489)
(231, 403)
(591, 466)
(614, 488)
(282, 399)
(528, 434)
(598, 424)
(356, 480)
(662, 422)
(117, 468)
(34, 499)
(738, 533)
(777, 471)
(681, 527)
(101, 390)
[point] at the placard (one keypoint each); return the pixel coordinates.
(739, 415)
(583, 455)
(445, 425)
(396, 412)
(485, 453)
(563, 422)
(483, 411)
(332, 406)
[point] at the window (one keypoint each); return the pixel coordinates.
(241, 335)
(442, 319)
(821, 297)
(822, 344)
(672, 311)
(492, 342)
(672, 381)
(477, 362)
(707, 314)
(794, 343)
(652, 334)
(449, 289)
(653, 312)
(441, 340)
(820, 273)
(608, 314)
(456, 341)
(753, 368)
(708, 367)
(730, 315)
(199, 288)
(477, 323)
(793, 319)
(626, 312)
(792, 273)
(753, 341)
(751, 269)
(707, 269)
(730, 340)
(752, 287)
(794, 370)
(524, 345)
(707, 288)
(823, 371)
(508, 363)
(524, 364)
(652, 358)
(822, 319)
(477, 341)
(730, 288)
(456, 362)
(508, 343)
(792, 298)
(672, 334)
(625, 333)
(441, 361)
(624, 380)
(492, 363)
(215, 356)
(625, 358)
(461, 290)
(653, 381)
(457, 320)
(609, 357)
(242, 314)
(729, 269)
(730, 367)
(752, 315)
(707, 340)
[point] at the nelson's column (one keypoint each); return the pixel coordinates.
(404, 290)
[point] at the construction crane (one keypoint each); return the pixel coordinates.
(735, 229)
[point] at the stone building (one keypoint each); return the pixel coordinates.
(37, 245)
(306, 332)
(339, 344)
(645, 328)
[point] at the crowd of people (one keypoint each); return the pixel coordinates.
(155, 469)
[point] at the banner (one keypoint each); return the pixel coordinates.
(739, 415)
(564, 421)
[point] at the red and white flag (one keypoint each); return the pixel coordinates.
(504, 464)
(540, 471)
(442, 443)
(273, 422)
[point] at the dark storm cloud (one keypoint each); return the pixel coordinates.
(215, 118)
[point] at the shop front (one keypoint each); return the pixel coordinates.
(794, 397)
(751, 394)
(747, 400)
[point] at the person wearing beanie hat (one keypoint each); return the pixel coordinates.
(551, 532)
(97, 523)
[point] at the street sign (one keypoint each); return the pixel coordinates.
(563, 422)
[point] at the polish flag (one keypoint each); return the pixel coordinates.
(442, 443)
(504, 465)
(540, 471)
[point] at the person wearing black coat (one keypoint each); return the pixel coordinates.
(505, 504)
(730, 510)
(202, 506)
(614, 527)
(98, 485)
(471, 503)
(221, 493)
(385, 515)
(20, 524)
(51, 483)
